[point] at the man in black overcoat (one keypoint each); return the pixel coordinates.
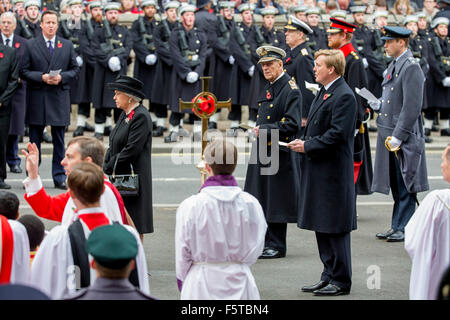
(49, 65)
(327, 194)
(9, 77)
(273, 170)
(18, 101)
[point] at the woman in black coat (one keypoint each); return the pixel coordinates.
(130, 143)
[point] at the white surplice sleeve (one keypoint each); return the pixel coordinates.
(52, 267)
(141, 263)
(20, 271)
(183, 256)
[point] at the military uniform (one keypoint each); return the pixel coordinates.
(403, 172)
(33, 29)
(117, 44)
(261, 36)
(279, 109)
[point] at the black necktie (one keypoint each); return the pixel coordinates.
(7, 42)
(50, 47)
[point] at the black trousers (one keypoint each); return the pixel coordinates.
(5, 117)
(404, 202)
(430, 112)
(12, 150)
(276, 236)
(84, 109)
(235, 113)
(102, 113)
(160, 110)
(252, 113)
(36, 132)
(335, 254)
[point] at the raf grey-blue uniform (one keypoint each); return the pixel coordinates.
(405, 171)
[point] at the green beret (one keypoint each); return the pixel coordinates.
(112, 246)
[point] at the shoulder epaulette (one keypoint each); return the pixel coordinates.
(304, 52)
(293, 84)
(355, 55)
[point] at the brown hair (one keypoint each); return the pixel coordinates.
(333, 58)
(47, 12)
(90, 147)
(87, 182)
(221, 155)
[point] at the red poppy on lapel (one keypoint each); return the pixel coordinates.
(268, 95)
(17, 45)
(1, 55)
(326, 95)
(288, 60)
(59, 44)
(388, 76)
(129, 116)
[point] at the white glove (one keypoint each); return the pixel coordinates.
(251, 71)
(366, 64)
(446, 82)
(395, 142)
(150, 59)
(114, 64)
(192, 77)
(374, 104)
(79, 61)
(231, 60)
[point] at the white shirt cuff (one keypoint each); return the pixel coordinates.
(396, 142)
(32, 186)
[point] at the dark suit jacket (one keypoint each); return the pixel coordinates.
(131, 143)
(48, 104)
(18, 102)
(327, 193)
(9, 75)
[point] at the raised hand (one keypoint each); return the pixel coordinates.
(32, 160)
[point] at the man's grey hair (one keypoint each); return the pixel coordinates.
(8, 14)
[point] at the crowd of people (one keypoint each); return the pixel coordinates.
(301, 86)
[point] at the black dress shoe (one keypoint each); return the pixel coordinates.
(397, 236)
(78, 131)
(172, 137)
(270, 253)
(61, 185)
(434, 127)
(427, 132)
(47, 138)
(319, 285)
(158, 132)
(3, 185)
(88, 127)
(428, 140)
(15, 169)
(331, 290)
(212, 125)
(384, 236)
(445, 132)
(107, 131)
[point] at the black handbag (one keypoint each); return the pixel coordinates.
(126, 184)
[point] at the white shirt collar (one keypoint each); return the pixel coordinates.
(52, 40)
(11, 38)
(90, 210)
(282, 74)
(329, 85)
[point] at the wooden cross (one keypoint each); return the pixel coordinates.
(204, 95)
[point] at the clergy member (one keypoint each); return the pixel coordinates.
(219, 234)
(427, 240)
(62, 265)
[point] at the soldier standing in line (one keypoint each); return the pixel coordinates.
(144, 47)
(300, 13)
(32, 23)
(188, 46)
(206, 21)
(299, 62)
(318, 39)
(161, 83)
(438, 81)
(260, 36)
(112, 45)
(222, 60)
(89, 60)
(243, 68)
(71, 29)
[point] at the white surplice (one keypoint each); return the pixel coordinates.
(219, 234)
(20, 270)
(52, 267)
(427, 241)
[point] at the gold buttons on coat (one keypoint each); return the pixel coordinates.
(268, 117)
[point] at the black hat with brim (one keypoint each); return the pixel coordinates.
(394, 32)
(128, 85)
